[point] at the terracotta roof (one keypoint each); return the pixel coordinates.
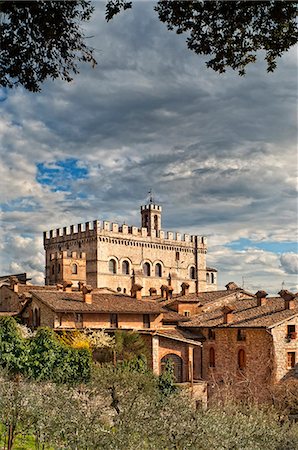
(181, 335)
(28, 288)
(73, 302)
(203, 297)
(172, 316)
(246, 314)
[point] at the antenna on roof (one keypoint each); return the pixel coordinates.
(150, 196)
(283, 285)
(243, 282)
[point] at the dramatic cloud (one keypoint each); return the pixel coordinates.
(219, 152)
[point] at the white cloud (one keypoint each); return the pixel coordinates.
(289, 262)
(219, 151)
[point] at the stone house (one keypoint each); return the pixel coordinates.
(104, 254)
(251, 343)
(68, 309)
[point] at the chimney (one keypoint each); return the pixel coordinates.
(289, 299)
(81, 285)
(67, 286)
(261, 298)
(136, 291)
(152, 291)
(164, 291)
(227, 314)
(14, 283)
(184, 288)
(87, 294)
(231, 286)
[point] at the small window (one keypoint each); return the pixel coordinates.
(124, 290)
(146, 320)
(112, 266)
(211, 334)
(192, 273)
(125, 268)
(241, 335)
(74, 269)
(155, 222)
(207, 278)
(79, 317)
(53, 270)
(241, 359)
(177, 256)
(291, 332)
(158, 270)
(211, 357)
(212, 278)
(114, 320)
(59, 268)
(291, 360)
(146, 269)
(187, 313)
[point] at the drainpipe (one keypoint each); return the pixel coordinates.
(197, 264)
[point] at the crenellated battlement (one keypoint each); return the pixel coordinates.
(67, 255)
(107, 228)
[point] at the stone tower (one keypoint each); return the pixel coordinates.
(151, 218)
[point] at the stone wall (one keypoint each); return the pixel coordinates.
(257, 373)
(9, 300)
(283, 345)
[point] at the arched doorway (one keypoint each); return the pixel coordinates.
(177, 364)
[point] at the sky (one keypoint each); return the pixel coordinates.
(219, 152)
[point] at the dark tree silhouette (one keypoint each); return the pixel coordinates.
(230, 31)
(43, 39)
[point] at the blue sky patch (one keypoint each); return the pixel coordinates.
(60, 175)
(25, 204)
(268, 246)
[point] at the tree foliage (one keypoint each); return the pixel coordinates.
(232, 32)
(83, 417)
(42, 39)
(42, 356)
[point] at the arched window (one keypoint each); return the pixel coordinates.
(212, 278)
(158, 270)
(59, 268)
(211, 357)
(74, 269)
(177, 365)
(207, 277)
(36, 317)
(192, 273)
(147, 269)
(125, 268)
(241, 359)
(155, 222)
(112, 266)
(53, 270)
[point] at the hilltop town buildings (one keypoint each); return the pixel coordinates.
(104, 254)
(109, 277)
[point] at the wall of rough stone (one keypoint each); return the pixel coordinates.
(283, 345)
(258, 371)
(9, 300)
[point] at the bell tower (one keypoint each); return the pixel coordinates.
(151, 217)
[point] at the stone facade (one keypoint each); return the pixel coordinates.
(104, 254)
(285, 342)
